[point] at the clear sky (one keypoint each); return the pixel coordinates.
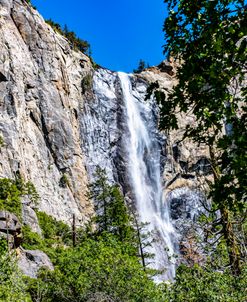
(121, 32)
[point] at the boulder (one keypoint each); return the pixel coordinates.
(10, 228)
(166, 67)
(29, 218)
(30, 262)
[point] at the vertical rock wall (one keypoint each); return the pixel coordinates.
(41, 97)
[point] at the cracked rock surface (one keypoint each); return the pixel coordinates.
(40, 100)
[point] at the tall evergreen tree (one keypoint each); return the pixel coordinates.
(112, 214)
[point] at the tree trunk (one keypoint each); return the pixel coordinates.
(231, 242)
(227, 225)
(140, 242)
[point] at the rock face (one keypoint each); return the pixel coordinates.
(99, 124)
(51, 112)
(29, 216)
(30, 262)
(41, 99)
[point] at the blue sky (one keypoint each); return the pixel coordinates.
(121, 32)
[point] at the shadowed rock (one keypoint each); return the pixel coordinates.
(30, 262)
(10, 228)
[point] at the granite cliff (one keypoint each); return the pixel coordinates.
(41, 102)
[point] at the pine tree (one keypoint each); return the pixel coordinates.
(142, 65)
(111, 211)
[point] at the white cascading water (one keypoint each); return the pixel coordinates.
(143, 152)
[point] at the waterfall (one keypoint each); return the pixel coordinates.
(144, 170)
(119, 133)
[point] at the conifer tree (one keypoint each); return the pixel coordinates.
(112, 214)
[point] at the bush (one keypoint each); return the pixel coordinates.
(53, 230)
(31, 240)
(11, 192)
(205, 285)
(56, 236)
(64, 181)
(1, 142)
(87, 83)
(12, 285)
(99, 266)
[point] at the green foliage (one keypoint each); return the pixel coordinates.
(11, 192)
(31, 240)
(198, 284)
(99, 266)
(55, 235)
(76, 42)
(3, 245)
(142, 66)
(87, 83)
(114, 217)
(56, 26)
(111, 211)
(30, 190)
(1, 142)
(64, 181)
(54, 231)
(12, 285)
(207, 38)
(120, 219)
(105, 260)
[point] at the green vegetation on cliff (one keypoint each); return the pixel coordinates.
(12, 282)
(11, 192)
(75, 41)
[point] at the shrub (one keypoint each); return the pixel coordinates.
(87, 83)
(1, 142)
(31, 240)
(99, 266)
(206, 285)
(64, 181)
(12, 285)
(54, 231)
(11, 192)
